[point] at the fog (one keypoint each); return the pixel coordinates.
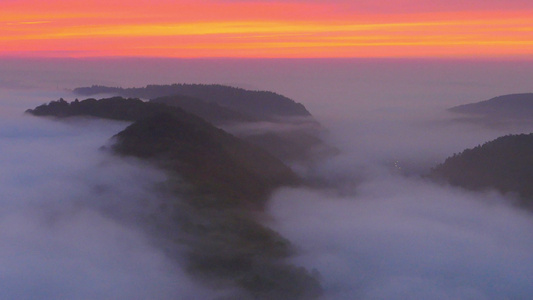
(66, 222)
(382, 231)
(378, 230)
(406, 239)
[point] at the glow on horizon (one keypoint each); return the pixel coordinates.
(255, 29)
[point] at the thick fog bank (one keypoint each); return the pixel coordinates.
(382, 231)
(67, 215)
(378, 231)
(401, 238)
(409, 140)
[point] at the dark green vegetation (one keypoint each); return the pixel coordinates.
(298, 144)
(505, 164)
(261, 105)
(116, 108)
(219, 184)
(207, 157)
(210, 111)
(507, 107)
(240, 112)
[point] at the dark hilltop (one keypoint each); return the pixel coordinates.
(273, 122)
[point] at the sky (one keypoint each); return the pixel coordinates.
(266, 28)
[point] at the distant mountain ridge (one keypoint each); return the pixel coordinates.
(262, 105)
(518, 106)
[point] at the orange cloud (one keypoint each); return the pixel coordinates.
(253, 29)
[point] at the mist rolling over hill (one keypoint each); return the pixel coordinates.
(374, 228)
(71, 216)
(218, 180)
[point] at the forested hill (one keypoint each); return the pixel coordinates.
(262, 105)
(210, 111)
(115, 108)
(215, 162)
(519, 106)
(217, 185)
(207, 156)
(505, 164)
(296, 140)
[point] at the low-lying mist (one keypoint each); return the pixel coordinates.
(71, 216)
(383, 231)
(402, 238)
(377, 230)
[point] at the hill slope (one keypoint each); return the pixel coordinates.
(505, 164)
(206, 156)
(226, 241)
(210, 111)
(518, 106)
(231, 108)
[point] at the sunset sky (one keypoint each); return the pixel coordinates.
(267, 28)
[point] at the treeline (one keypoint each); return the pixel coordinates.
(263, 105)
(505, 164)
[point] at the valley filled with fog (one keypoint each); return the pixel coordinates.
(71, 223)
